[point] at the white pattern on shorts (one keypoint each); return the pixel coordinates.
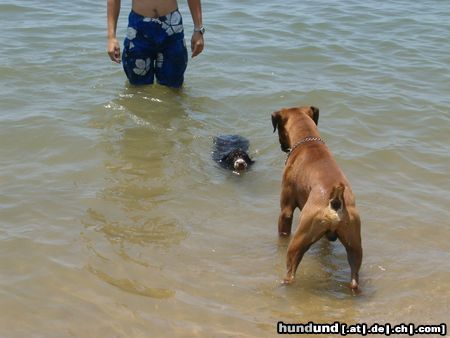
(142, 66)
(173, 23)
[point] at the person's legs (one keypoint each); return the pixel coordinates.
(172, 57)
(171, 64)
(139, 53)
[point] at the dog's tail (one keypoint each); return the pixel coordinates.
(333, 212)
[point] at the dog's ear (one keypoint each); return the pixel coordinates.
(275, 119)
(315, 114)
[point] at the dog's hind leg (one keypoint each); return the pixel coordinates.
(308, 232)
(350, 237)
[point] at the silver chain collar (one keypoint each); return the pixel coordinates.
(304, 140)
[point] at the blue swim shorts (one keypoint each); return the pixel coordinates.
(155, 47)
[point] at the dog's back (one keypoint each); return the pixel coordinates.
(326, 186)
(224, 144)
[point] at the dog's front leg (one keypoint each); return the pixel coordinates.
(286, 214)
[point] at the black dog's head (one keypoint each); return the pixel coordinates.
(230, 152)
(236, 159)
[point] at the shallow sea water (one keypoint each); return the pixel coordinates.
(115, 222)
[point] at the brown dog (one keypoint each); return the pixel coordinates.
(313, 182)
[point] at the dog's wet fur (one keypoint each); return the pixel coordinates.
(230, 152)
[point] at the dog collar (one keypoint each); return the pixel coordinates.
(299, 143)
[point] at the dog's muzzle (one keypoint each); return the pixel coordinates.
(240, 164)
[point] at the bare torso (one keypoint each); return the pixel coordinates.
(154, 8)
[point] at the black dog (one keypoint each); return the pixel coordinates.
(230, 151)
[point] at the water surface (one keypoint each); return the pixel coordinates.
(115, 222)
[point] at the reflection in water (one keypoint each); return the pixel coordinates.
(139, 141)
(132, 211)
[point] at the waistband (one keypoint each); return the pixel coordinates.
(163, 18)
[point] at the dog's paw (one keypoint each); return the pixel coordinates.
(287, 280)
(355, 288)
(356, 292)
